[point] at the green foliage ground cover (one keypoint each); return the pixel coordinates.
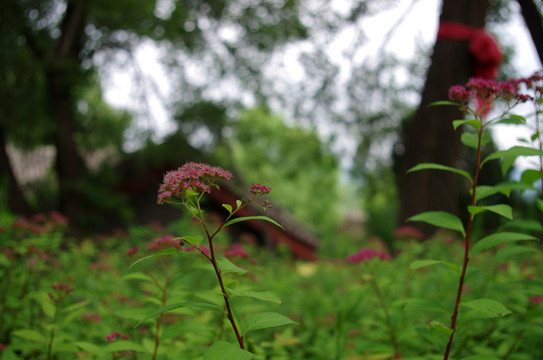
(333, 302)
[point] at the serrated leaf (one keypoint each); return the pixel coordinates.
(29, 334)
(190, 305)
(259, 217)
(489, 307)
(429, 166)
(227, 207)
(424, 305)
(260, 295)
(497, 239)
(168, 251)
(417, 264)
(222, 350)
(440, 328)
(440, 219)
(227, 266)
(500, 209)
(265, 320)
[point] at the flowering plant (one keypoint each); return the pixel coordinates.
(187, 186)
(485, 94)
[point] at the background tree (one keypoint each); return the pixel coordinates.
(299, 167)
(428, 137)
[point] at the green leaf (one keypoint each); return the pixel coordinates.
(524, 225)
(512, 250)
(499, 238)
(122, 345)
(444, 102)
(260, 295)
(539, 205)
(238, 204)
(424, 305)
(89, 347)
(222, 350)
(30, 334)
(169, 251)
(190, 305)
(440, 219)
(530, 176)
(512, 120)
(227, 266)
(193, 240)
(190, 192)
(426, 166)
(500, 209)
(265, 320)
(259, 217)
(510, 156)
(137, 276)
(417, 264)
(440, 328)
(472, 140)
(488, 307)
(481, 357)
(473, 122)
(228, 207)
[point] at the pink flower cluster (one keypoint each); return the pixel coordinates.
(62, 290)
(536, 299)
(257, 189)
(92, 317)
(236, 249)
(366, 255)
(115, 335)
(196, 177)
(485, 91)
(164, 242)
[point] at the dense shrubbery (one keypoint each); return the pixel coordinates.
(337, 309)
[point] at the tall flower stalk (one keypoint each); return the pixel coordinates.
(484, 93)
(186, 186)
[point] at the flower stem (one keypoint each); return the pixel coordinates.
(213, 261)
(466, 249)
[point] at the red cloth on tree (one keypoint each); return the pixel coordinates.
(482, 47)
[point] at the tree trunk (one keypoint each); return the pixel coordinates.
(61, 77)
(534, 23)
(16, 200)
(429, 136)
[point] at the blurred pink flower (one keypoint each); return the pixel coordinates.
(132, 251)
(92, 317)
(236, 249)
(115, 335)
(536, 299)
(367, 254)
(163, 242)
(409, 232)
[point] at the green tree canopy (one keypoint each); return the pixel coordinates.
(299, 167)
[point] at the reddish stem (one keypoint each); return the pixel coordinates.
(466, 250)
